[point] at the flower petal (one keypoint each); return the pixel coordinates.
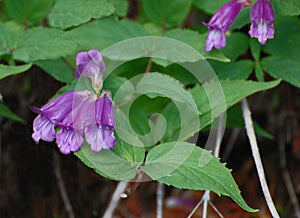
(43, 129)
(68, 140)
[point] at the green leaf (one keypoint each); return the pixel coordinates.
(42, 43)
(242, 19)
(233, 70)
(6, 112)
(286, 42)
(210, 7)
(255, 49)
(259, 72)
(196, 41)
(58, 69)
(237, 44)
(166, 13)
(30, 12)
(67, 13)
(289, 7)
(184, 165)
(210, 102)
(12, 70)
(283, 68)
(6, 40)
(121, 7)
(100, 34)
(119, 164)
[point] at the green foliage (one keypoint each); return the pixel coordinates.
(67, 13)
(166, 13)
(6, 112)
(12, 70)
(27, 12)
(42, 43)
(184, 165)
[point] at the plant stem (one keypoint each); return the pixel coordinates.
(115, 199)
(159, 199)
(257, 158)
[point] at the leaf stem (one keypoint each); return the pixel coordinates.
(159, 199)
(257, 158)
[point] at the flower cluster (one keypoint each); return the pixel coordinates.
(262, 19)
(77, 113)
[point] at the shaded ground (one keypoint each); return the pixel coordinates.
(28, 185)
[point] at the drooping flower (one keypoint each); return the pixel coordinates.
(262, 19)
(50, 116)
(221, 22)
(91, 64)
(100, 135)
(79, 112)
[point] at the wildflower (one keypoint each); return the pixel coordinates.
(91, 64)
(100, 134)
(221, 22)
(262, 19)
(77, 113)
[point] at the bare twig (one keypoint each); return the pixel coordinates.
(61, 186)
(206, 196)
(115, 199)
(159, 199)
(257, 159)
(231, 141)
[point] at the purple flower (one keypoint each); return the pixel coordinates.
(262, 19)
(220, 23)
(100, 135)
(91, 64)
(50, 116)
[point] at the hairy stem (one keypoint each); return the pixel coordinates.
(257, 158)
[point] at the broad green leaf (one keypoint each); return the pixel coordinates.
(121, 6)
(196, 41)
(237, 44)
(103, 33)
(288, 7)
(166, 13)
(242, 19)
(283, 68)
(255, 49)
(30, 12)
(210, 7)
(42, 43)
(6, 112)
(207, 98)
(233, 70)
(12, 70)
(67, 13)
(58, 69)
(184, 165)
(117, 164)
(286, 42)
(6, 40)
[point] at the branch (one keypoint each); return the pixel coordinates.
(257, 159)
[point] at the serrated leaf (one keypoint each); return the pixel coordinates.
(184, 165)
(42, 43)
(67, 13)
(12, 70)
(27, 12)
(99, 34)
(58, 69)
(6, 112)
(164, 12)
(111, 164)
